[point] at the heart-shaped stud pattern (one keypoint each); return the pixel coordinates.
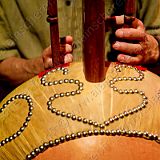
(80, 88)
(25, 124)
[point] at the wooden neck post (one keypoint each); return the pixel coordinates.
(130, 8)
(94, 40)
(93, 36)
(54, 31)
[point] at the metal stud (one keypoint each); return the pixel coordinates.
(62, 94)
(102, 132)
(28, 157)
(50, 108)
(36, 150)
(71, 81)
(90, 122)
(54, 110)
(79, 135)
(66, 81)
(96, 132)
(80, 84)
(6, 140)
(73, 93)
(74, 117)
(67, 94)
(84, 133)
(62, 139)
(56, 95)
(55, 83)
(58, 112)
(102, 126)
(50, 84)
(60, 81)
(107, 123)
(51, 143)
(107, 132)
(73, 136)
(68, 115)
(63, 114)
(41, 148)
(67, 137)
(19, 133)
(95, 124)
(78, 92)
(33, 154)
(52, 98)
(85, 120)
(90, 132)
(79, 118)
(57, 141)
(77, 81)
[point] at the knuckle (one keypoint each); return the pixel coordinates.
(143, 35)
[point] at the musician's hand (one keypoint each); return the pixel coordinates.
(144, 50)
(47, 53)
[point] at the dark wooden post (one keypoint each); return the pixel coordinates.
(54, 31)
(94, 40)
(130, 7)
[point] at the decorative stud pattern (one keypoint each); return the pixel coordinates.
(64, 71)
(101, 127)
(127, 91)
(102, 132)
(25, 124)
(80, 88)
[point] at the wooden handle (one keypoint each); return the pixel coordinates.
(54, 31)
(94, 40)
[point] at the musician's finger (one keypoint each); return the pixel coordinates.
(67, 39)
(65, 48)
(130, 34)
(48, 63)
(68, 58)
(138, 24)
(127, 59)
(68, 48)
(128, 48)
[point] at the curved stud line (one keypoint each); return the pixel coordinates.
(73, 136)
(25, 124)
